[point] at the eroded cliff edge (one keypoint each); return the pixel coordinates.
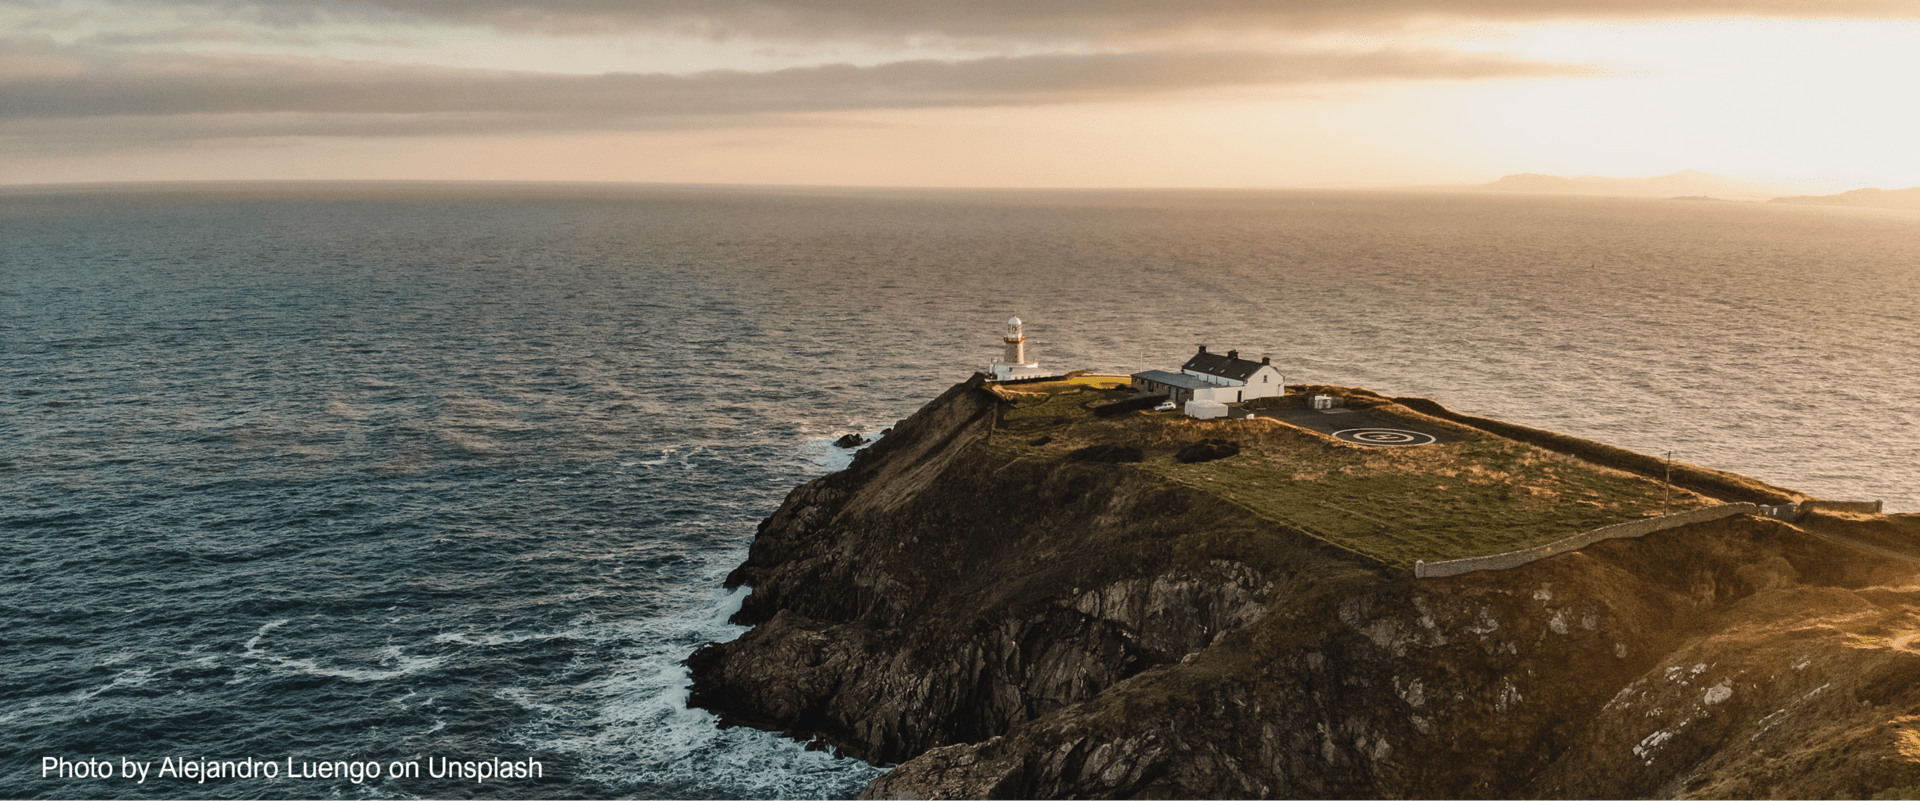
(1002, 615)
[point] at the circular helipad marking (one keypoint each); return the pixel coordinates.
(1386, 437)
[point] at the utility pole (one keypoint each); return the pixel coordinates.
(1667, 494)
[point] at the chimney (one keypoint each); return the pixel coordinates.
(1233, 354)
(1203, 349)
(1266, 360)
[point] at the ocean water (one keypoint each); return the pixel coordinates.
(400, 473)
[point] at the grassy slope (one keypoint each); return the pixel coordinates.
(1481, 495)
(1065, 400)
(1433, 502)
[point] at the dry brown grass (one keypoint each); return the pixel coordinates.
(1481, 495)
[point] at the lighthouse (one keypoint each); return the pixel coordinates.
(1013, 363)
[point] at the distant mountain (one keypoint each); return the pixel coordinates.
(1874, 198)
(1685, 182)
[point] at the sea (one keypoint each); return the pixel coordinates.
(427, 490)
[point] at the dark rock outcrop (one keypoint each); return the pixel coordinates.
(1007, 625)
(920, 598)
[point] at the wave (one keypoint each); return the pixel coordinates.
(822, 452)
(636, 732)
(393, 660)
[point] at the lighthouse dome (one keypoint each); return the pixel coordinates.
(1014, 321)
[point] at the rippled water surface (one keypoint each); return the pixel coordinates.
(397, 473)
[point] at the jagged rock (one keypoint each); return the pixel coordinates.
(852, 440)
(1011, 624)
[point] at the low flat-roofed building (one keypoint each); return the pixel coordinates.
(1179, 387)
(1225, 378)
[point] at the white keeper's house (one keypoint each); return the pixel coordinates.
(1220, 378)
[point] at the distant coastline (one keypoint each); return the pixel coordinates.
(1692, 185)
(1863, 198)
(1685, 184)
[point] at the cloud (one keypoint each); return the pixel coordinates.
(38, 138)
(216, 36)
(182, 36)
(1081, 20)
(46, 81)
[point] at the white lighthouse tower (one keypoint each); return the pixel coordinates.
(1013, 363)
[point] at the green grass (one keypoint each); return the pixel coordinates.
(1484, 494)
(1062, 400)
(1481, 496)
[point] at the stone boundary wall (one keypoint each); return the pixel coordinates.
(1632, 528)
(1037, 379)
(1869, 507)
(1711, 483)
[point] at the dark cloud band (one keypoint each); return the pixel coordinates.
(87, 83)
(1086, 20)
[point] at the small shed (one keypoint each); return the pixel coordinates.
(1205, 409)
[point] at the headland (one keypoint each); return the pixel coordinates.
(1048, 588)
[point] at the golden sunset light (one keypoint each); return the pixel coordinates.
(1221, 94)
(605, 399)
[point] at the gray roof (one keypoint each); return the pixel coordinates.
(1228, 365)
(1181, 380)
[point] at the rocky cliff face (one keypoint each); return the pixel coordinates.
(1005, 625)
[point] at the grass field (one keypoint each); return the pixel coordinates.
(1433, 502)
(1481, 495)
(1065, 399)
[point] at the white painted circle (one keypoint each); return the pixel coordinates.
(1384, 437)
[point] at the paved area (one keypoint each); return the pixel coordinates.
(1362, 426)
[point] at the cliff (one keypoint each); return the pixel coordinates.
(999, 598)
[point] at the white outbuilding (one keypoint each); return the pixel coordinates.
(1205, 409)
(1220, 378)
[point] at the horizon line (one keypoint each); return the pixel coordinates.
(245, 183)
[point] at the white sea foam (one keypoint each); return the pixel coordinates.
(126, 678)
(821, 452)
(392, 661)
(634, 725)
(253, 644)
(401, 666)
(585, 628)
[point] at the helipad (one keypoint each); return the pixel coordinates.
(1384, 437)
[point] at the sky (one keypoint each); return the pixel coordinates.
(1808, 95)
